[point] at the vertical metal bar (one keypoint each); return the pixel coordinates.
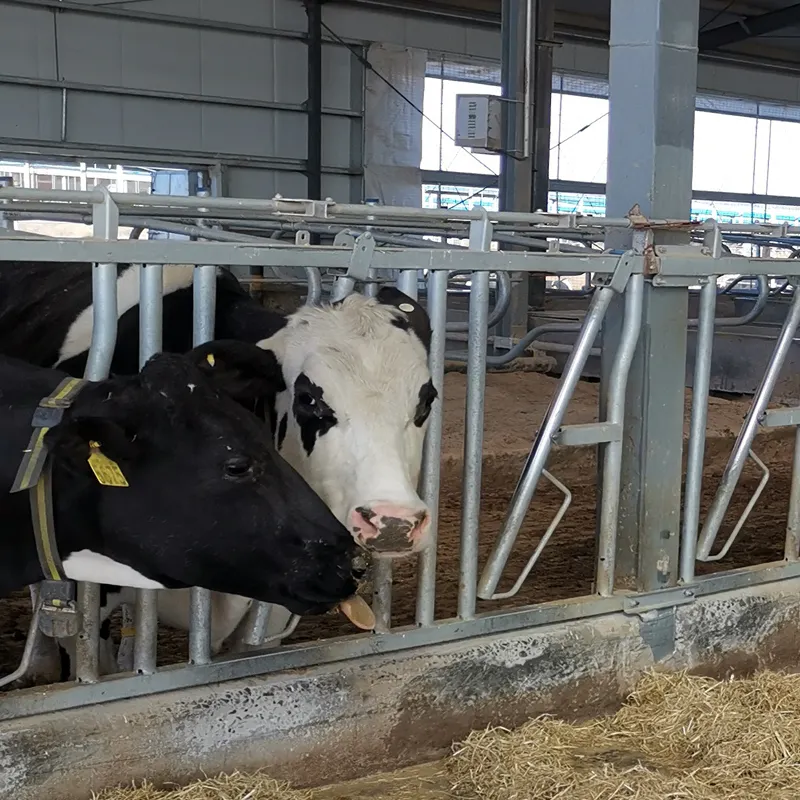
(480, 239)
(697, 428)
(407, 282)
(150, 335)
(382, 593)
(205, 295)
(612, 454)
(383, 568)
(314, 104)
(653, 81)
(105, 225)
(432, 453)
(741, 449)
(792, 548)
(255, 629)
(540, 451)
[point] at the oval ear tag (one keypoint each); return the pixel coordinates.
(407, 307)
(105, 470)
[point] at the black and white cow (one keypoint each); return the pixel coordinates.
(209, 502)
(350, 417)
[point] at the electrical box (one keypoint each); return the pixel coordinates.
(478, 122)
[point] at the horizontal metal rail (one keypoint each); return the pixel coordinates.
(43, 700)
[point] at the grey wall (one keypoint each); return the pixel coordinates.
(223, 83)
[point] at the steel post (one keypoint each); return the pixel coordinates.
(653, 80)
(480, 239)
(150, 334)
(697, 429)
(105, 225)
(204, 293)
(432, 454)
(612, 453)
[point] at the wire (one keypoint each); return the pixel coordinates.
(580, 130)
(366, 63)
(717, 16)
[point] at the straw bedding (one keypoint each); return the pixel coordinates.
(677, 737)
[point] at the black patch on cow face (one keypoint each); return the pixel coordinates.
(282, 430)
(314, 416)
(415, 320)
(427, 394)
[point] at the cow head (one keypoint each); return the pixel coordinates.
(209, 503)
(353, 414)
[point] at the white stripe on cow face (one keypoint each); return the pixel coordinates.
(79, 335)
(85, 565)
(350, 420)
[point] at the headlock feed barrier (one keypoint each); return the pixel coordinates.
(370, 244)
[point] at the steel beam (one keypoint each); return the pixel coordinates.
(542, 97)
(749, 27)
(314, 109)
(517, 34)
(653, 79)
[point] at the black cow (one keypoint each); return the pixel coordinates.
(209, 502)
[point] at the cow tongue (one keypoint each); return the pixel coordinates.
(358, 612)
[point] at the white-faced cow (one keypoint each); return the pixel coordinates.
(208, 503)
(350, 416)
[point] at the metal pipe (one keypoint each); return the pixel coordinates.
(204, 294)
(741, 448)
(792, 546)
(432, 453)
(697, 429)
(105, 219)
(532, 472)
(34, 635)
(523, 344)
(383, 568)
(382, 593)
(759, 305)
(612, 452)
(256, 622)
(480, 238)
(151, 281)
(500, 307)
(473, 444)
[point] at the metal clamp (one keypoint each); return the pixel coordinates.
(358, 270)
(58, 613)
(314, 209)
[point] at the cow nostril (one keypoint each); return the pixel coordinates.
(365, 513)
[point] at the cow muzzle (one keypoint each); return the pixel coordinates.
(390, 529)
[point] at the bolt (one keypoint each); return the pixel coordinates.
(688, 593)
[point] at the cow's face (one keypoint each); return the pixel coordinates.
(210, 502)
(354, 411)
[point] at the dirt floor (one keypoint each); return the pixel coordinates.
(515, 405)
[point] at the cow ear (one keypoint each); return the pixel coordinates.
(414, 317)
(245, 372)
(73, 441)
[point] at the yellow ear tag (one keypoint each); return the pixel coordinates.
(105, 470)
(210, 358)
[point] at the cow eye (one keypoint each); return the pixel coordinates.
(238, 468)
(306, 400)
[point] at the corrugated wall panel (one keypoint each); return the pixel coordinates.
(225, 83)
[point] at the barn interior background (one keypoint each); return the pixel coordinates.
(624, 120)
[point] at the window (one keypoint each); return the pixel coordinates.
(439, 151)
(740, 146)
(43, 181)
